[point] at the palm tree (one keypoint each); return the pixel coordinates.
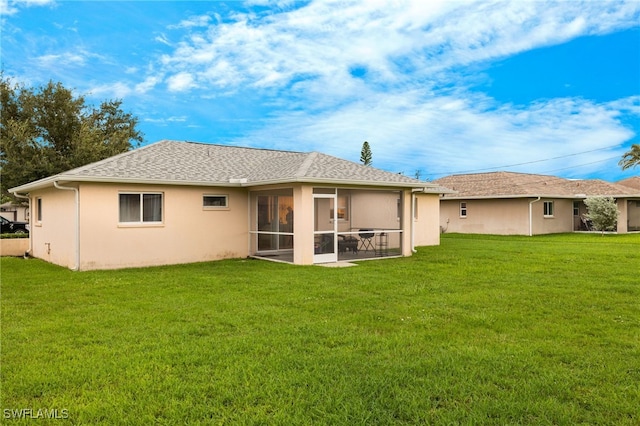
(631, 158)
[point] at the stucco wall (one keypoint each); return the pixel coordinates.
(189, 232)
(426, 225)
(53, 237)
(506, 216)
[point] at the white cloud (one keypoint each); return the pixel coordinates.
(192, 22)
(180, 82)
(304, 59)
(118, 90)
(448, 134)
(11, 7)
(390, 40)
(148, 84)
(62, 59)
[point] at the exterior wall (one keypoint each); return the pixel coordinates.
(53, 238)
(562, 220)
(189, 233)
(303, 225)
(506, 216)
(426, 231)
(494, 216)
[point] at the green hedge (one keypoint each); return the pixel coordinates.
(8, 236)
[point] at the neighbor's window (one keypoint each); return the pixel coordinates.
(215, 201)
(141, 207)
(463, 209)
(38, 209)
(548, 208)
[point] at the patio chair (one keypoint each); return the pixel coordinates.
(347, 243)
(366, 240)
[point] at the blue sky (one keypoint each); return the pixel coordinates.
(439, 87)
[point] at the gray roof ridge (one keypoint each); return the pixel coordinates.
(135, 151)
(304, 167)
(233, 146)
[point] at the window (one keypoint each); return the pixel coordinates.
(576, 208)
(38, 209)
(343, 207)
(140, 207)
(463, 209)
(215, 201)
(548, 209)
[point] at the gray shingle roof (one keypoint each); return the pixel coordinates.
(510, 184)
(199, 163)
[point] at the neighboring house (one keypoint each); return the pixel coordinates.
(14, 212)
(178, 202)
(528, 204)
(632, 182)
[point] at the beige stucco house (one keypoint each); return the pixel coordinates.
(177, 202)
(509, 203)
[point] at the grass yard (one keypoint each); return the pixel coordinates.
(480, 330)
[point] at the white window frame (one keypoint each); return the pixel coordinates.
(463, 209)
(548, 209)
(142, 221)
(226, 202)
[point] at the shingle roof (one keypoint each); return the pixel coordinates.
(512, 185)
(207, 164)
(632, 182)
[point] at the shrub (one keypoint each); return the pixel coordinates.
(603, 213)
(19, 235)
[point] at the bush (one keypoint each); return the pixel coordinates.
(603, 213)
(9, 236)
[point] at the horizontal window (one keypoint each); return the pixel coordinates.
(215, 201)
(140, 207)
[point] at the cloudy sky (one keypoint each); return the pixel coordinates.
(435, 87)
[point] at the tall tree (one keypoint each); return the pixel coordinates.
(365, 154)
(631, 158)
(46, 130)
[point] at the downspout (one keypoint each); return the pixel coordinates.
(531, 216)
(77, 243)
(26, 197)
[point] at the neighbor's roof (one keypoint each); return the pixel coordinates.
(632, 182)
(517, 185)
(190, 163)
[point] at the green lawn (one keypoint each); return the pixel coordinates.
(480, 330)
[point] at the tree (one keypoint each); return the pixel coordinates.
(603, 213)
(365, 154)
(631, 158)
(47, 130)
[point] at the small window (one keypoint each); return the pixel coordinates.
(343, 207)
(576, 208)
(215, 201)
(38, 209)
(548, 209)
(463, 209)
(140, 207)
